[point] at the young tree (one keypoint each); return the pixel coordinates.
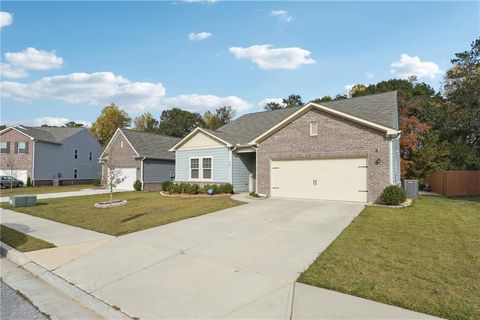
(10, 164)
(111, 118)
(112, 176)
(293, 100)
(178, 123)
(145, 122)
(221, 117)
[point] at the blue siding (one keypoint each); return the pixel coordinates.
(157, 170)
(396, 161)
(220, 163)
(242, 166)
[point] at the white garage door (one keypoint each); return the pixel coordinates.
(328, 179)
(17, 174)
(129, 175)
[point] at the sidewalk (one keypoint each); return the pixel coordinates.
(46, 298)
(84, 192)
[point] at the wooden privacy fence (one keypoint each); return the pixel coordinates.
(455, 182)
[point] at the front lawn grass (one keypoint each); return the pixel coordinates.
(45, 189)
(21, 241)
(425, 258)
(144, 210)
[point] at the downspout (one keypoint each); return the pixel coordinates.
(231, 164)
(141, 172)
(33, 162)
(256, 168)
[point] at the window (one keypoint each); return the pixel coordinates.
(90, 156)
(22, 147)
(194, 168)
(207, 168)
(313, 129)
(201, 168)
(75, 153)
(5, 147)
(121, 144)
(75, 173)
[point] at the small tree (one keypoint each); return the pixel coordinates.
(113, 177)
(10, 164)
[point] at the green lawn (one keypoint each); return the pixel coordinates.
(46, 189)
(144, 210)
(21, 241)
(425, 258)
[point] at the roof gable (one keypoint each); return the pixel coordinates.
(150, 145)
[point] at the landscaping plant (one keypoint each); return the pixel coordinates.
(137, 185)
(393, 195)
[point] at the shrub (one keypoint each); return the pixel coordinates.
(393, 195)
(167, 186)
(226, 188)
(193, 188)
(97, 182)
(137, 185)
(254, 195)
(29, 182)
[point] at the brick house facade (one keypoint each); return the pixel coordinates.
(11, 160)
(337, 138)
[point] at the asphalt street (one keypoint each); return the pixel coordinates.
(14, 306)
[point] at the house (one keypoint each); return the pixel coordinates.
(48, 154)
(340, 150)
(140, 156)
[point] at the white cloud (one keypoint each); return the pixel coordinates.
(370, 75)
(263, 103)
(202, 103)
(33, 59)
(53, 121)
(348, 88)
(199, 36)
(7, 71)
(6, 19)
(101, 88)
(408, 66)
(282, 15)
(97, 88)
(268, 58)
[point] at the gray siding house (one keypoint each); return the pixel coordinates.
(344, 150)
(140, 156)
(48, 154)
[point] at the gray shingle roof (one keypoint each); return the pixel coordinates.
(379, 108)
(49, 134)
(151, 145)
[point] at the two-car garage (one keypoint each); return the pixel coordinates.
(342, 179)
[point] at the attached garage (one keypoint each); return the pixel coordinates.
(129, 175)
(342, 179)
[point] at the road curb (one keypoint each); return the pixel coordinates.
(101, 308)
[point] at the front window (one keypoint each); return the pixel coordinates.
(75, 173)
(22, 147)
(207, 168)
(75, 153)
(194, 169)
(5, 147)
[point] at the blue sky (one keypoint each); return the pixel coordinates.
(64, 60)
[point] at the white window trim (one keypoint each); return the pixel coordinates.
(312, 132)
(76, 154)
(24, 149)
(200, 168)
(74, 173)
(6, 146)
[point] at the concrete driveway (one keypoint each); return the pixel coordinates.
(236, 263)
(214, 265)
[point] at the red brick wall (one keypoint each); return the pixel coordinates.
(20, 161)
(337, 137)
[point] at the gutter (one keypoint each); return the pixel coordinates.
(141, 171)
(32, 178)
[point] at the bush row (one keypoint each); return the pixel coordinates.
(193, 188)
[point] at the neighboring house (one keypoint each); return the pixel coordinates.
(140, 156)
(340, 150)
(48, 154)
